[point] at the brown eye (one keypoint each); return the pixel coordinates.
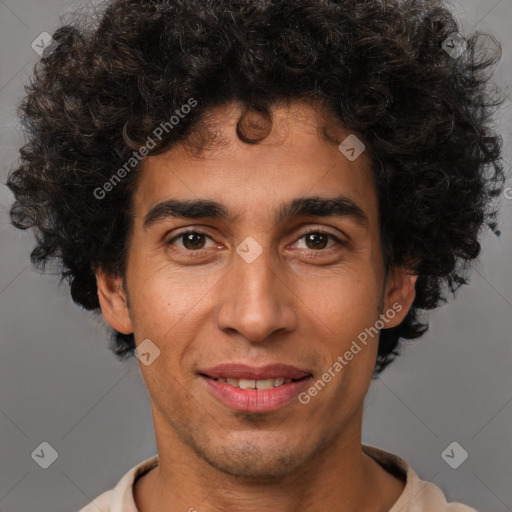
(191, 240)
(316, 240)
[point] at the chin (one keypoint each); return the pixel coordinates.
(249, 459)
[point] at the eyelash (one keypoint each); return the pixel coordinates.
(193, 254)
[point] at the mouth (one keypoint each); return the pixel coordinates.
(251, 389)
(273, 382)
(245, 372)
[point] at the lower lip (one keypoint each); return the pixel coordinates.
(256, 400)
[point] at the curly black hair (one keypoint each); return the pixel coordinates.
(379, 67)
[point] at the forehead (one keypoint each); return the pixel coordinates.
(293, 160)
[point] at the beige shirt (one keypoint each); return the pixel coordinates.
(418, 495)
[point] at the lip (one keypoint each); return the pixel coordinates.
(243, 371)
(255, 400)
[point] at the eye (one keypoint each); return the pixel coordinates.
(317, 240)
(192, 240)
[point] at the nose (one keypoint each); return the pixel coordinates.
(255, 301)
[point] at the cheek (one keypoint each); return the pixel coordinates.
(346, 299)
(160, 295)
(345, 308)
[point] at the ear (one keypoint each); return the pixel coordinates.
(113, 301)
(400, 291)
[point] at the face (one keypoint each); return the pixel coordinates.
(261, 285)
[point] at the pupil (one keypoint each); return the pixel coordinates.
(189, 239)
(316, 244)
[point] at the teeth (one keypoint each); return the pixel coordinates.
(246, 384)
(255, 384)
(265, 384)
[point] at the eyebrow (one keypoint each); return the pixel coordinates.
(311, 206)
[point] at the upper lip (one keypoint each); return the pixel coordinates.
(243, 371)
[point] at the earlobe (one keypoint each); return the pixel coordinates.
(113, 302)
(400, 293)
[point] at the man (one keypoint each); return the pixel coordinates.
(261, 197)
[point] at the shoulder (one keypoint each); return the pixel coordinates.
(99, 504)
(426, 497)
(120, 498)
(418, 495)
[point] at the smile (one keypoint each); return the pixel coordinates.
(256, 384)
(255, 396)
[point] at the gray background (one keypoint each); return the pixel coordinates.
(59, 382)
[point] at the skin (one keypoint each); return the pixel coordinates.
(295, 304)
